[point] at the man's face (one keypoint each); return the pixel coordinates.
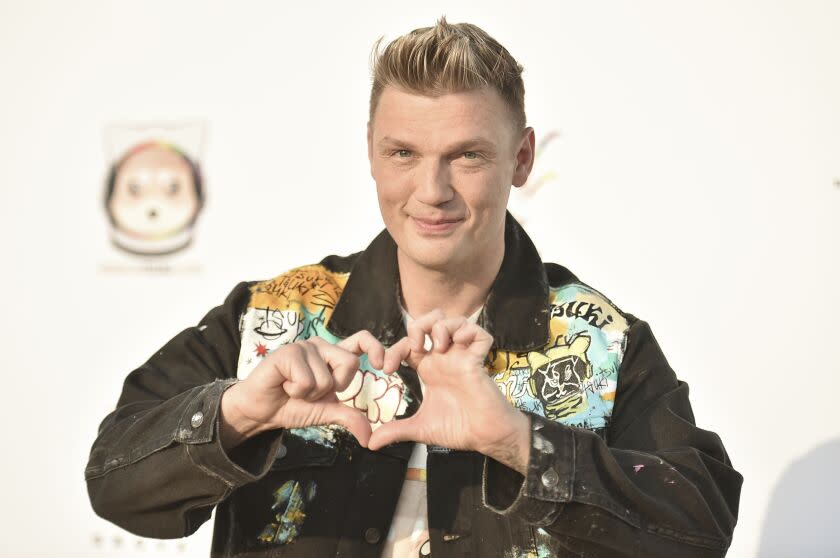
(443, 168)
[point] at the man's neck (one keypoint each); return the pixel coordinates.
(458, 292)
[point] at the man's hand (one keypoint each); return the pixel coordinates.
(295, 386)
(462, 406)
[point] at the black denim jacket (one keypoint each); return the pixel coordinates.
(617, 466)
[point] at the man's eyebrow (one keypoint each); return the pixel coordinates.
(471, 142)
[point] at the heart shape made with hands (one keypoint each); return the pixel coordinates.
(313, 382)
(462, 407)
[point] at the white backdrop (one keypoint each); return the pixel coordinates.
(694, 174)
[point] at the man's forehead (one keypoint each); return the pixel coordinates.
(477, 118)
(394, 99)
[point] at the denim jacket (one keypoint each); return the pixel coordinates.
(617, 466)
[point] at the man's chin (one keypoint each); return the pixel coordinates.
(435, 258)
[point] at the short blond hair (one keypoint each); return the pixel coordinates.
(448, 58)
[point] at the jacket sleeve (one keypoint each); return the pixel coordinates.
(157, 467)
(662, 487)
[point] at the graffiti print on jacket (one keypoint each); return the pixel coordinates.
(380, 397)
(572, 379)
(285, 309)
(297, 305)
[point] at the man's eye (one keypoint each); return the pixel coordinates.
(471, 155)
(402, 153)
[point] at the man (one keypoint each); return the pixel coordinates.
(536, 417)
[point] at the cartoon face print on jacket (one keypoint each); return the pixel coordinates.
(153, 198)
(559, 376)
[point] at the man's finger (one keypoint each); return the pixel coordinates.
(343, 363)
(399, 430)
(295, 368)
(419, 328)
(475, 338)
(399, 352)
(324, 381)
(442, 332)
(363, 342)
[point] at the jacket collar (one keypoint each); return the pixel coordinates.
(516, 312)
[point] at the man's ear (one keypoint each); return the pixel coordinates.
(524, 158)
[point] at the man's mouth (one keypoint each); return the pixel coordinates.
(435, 225)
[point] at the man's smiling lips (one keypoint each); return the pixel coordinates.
(432, 226)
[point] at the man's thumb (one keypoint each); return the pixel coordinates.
(393, 431)
(350, 418)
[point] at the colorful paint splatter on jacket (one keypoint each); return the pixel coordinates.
(289, 504)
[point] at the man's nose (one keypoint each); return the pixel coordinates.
(433, 183)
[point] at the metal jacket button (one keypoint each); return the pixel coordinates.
(550, 478)
(197, 419)
(281, 452)
(372, 535)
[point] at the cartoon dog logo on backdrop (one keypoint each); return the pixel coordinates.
(153, 197)
(558, 377)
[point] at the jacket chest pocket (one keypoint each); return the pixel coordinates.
(315, 446)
